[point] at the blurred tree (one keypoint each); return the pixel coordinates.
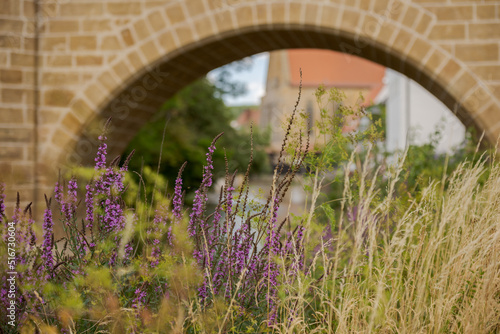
(191, 119)
(225, 83)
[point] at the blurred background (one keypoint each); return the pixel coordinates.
(428, 70)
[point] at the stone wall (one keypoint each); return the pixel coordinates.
(67, 65)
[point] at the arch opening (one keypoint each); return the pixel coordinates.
(133, 103)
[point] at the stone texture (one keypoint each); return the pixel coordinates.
(58, 97)
(448, 31)
(124, 8)
(88, 60)
(477, 52)
(92, 54)
(64, 26)
(11, 76)
(79, 43)
(484, 30)
(453, 13)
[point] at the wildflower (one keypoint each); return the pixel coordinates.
(48, 234)
(271, 269)
(100, 159)
(177, 200)
(16, 219)
(2, 200)
(58, 189)
(89, 204)
(200, 197)
(68, 206)
(108, 187)
(27, 235)
(128, 250)
(140, 298)
(155, 229)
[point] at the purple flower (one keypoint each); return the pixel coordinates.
(128, 250)
(203, 291)
(200, 197)
(68, 206)
(170, 236)
(155, 230)
(100, 159)
(16, 219)
(140, 299)
(229, 208)
(108, 188)
(27, 236)
(177, 201)
(112, 259)
(271, 269)
(32, 233)
(89, 205)
(300, 240)
(48, 233)
(2, 200)
(58, 190)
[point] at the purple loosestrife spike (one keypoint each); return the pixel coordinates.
(203, 291)
(69, 205)
(32, 234)
(300, 240)
(2, 200)
(272, 241)
(25, 230)
(288, 249)
(29, 237)
(271, 269)
(124, 167)
(241, 253)
(107, 187)
(140, 299)
(177, 201)
(155, 230)
(129, 247)
(128, 250)
(112, 259)
(102, 151)
(48, 261)
(155, 254)
(200, 197)
(115, 161)
(170, 237)
(215, 223)
(89, 204)
(229, 208)
(58, 193)
(16, 219)
(221, 271)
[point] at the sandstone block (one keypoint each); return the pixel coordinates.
(58, 97)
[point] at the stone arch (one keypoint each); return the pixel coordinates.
(188, 38)
(399, 36)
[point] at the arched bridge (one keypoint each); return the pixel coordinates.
(67, 65)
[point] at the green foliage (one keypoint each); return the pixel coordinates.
(191, 119)
(399, 253)
(422, 164)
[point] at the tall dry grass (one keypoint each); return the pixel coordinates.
(429, 265)
(395, 262)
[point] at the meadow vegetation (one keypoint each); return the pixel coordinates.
(384, 256)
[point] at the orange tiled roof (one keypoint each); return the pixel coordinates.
(333, 69)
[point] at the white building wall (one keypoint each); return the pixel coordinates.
(414, 114)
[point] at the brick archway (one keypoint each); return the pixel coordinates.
(147, 50)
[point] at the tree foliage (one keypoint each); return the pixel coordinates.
(191, 119)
